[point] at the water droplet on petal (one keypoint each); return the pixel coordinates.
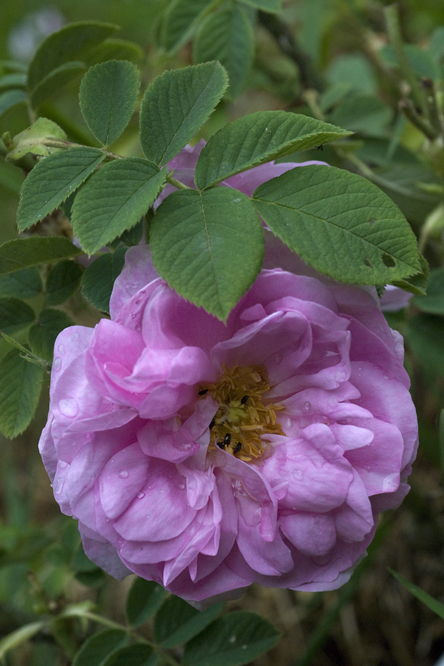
(75, 336)
(181, 486)
(63, 464)
(298, 473)
(307, 406)
(69, 407)
(123, 474)
(61, 349)
(57, 364)
(140, 495)
(59, 486)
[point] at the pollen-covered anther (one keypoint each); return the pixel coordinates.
(244, 418)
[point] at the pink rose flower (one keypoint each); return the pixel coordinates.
(207, 456)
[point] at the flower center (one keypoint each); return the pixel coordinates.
(242, 422)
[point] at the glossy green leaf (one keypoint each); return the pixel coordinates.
(144, 598)
(10, 99)
(208, 246)
(24, 252)
(98, 279)
(416, 284)
(43, 333)
(74, 42)
(235, 639)
(52, 181)
(340, 223)
(420, 594)
(36, 139)
(433, 301)
(134, 655)
(259, 138)
(26, 283)
(55, 80)
(180, 19)
(15, 315)
(177, 622)
(271, 6)
(176, 105)
(19, 393)
(114, 200)
(98, 647)
(62, 281)
(227, 36)
(108, 94)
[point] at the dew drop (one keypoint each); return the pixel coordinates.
(57, 363)
(307, 406)
(69, 407)
(59, 486)
(138, 328)
(298, 473)
(181, 486)
(123, 474)
(61, 349)
(140, 495)
(63, 464)
(148, 516)
(75, 336)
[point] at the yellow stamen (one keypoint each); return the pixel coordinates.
(243, 421)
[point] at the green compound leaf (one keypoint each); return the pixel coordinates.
(74, 42)
(208, 246)
(62, 281)
(55, 80)
(108, 94)
(43, 333)
(34, 139)
(134, 655)
(52, 181)
(259, 138)
(233, 640)
(114, 200)
(176, 105)
(98, 279)
(340, 223)
(15, 315)
(227, 36)
(26, 283)
(24, 252)
(144, 599)
(177, 622)
(180, 19)
(270, 6)
(19, 393)
(98, 647)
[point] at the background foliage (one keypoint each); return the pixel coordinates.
(336, 61)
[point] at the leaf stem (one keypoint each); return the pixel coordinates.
(408, 109)
(176, 183)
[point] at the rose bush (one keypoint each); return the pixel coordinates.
(207, 456)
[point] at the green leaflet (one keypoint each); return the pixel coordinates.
(208, 246)
(176, 105)
(340, 223)
(259, 138)
(108, 94)
(114, 200)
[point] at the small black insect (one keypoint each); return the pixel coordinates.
(212, 423)
(203, 392)
(221, 445)
(237, 448)
(244, 399)
(227, 439)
